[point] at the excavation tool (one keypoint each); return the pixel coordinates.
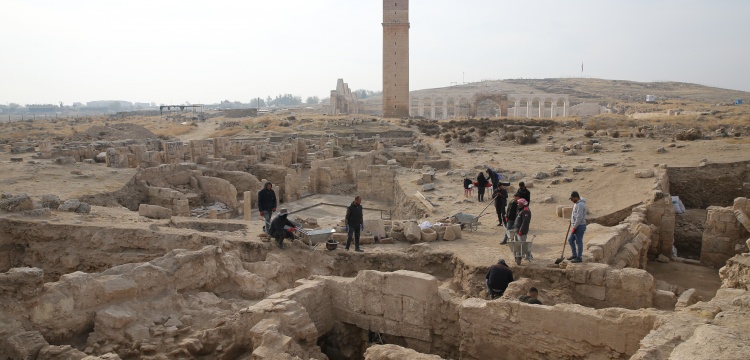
(565, 242)
(471, 220)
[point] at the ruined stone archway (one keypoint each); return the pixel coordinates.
(500, 99)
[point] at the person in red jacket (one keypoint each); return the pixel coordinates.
(523, 220)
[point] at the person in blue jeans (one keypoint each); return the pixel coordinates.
(577, 227)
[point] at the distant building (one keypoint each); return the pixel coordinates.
(343, 100)
(650, 98)
(42, 108)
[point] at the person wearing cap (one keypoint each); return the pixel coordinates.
(267, 204)
(354, 222)
(497, 279)
(523, 220)
(577, 227)
(282, 228)
(510, 216)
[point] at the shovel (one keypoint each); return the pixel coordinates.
(565, 242)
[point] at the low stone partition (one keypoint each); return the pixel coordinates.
(725, 233)
(520, 330)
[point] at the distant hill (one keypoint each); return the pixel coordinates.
(592, 90)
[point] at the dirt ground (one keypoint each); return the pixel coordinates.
(703, 279)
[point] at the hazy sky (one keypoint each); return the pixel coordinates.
(169, 51)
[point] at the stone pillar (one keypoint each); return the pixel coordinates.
(528, 108)
(432, 108)
(445, 108)
(553, 109)
(456, 107)
(421, 108)
(541, 108)
(247, 202)
(566, 105)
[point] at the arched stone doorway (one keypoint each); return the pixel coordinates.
(500, 99)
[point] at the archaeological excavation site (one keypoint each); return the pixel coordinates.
(145, 248)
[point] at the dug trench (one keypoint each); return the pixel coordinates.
(175, 291)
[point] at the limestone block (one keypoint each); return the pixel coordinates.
(456, 230)
(428, 187)
(743, 219)
(416, 285)
(398, 236)
(114, 317)
(596, 273)
(644, 173)
(687, 298)
(22, 282)
(340, 237)
(392, 307)
(426, 178)
(412, 231)
(664, 300)
(392, 352)
(429, 235)
(25, 345)
(154, 211)
(414, 312)
(740, 203)
(366, 239)
(592, 291)
(559, 210)
(567, 212)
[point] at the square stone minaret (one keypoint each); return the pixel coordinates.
(395, 58)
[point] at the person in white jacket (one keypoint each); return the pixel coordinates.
(577, 227)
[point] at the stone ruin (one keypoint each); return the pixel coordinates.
(184, 287)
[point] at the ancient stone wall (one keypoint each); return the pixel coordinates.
(215, 189)
(727, 228)
(377, 183)
(710, 184)
(736, 273)
(489, 328)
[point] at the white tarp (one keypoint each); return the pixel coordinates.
(679, 208)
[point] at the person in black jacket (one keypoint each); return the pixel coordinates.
(501, 200)
(267, 204)
(468, 185)
(510, 216)
(481, 185)
(354, 222)
(524, 192)
(282, 228)
(494, 177)
(523, 220)
(497, 279)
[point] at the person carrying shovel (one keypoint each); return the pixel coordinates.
(577, 227)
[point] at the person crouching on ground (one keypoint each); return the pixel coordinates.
(497, 279)
(282, 228)
(577, 227)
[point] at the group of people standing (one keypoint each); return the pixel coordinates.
(281, 227)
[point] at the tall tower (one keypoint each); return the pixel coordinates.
(395, 58)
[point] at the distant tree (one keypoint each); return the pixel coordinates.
(258, 102)
(13, 106)
(364, 94)
(325, 101)
(286, 100)
(312, 100)
(269, 100)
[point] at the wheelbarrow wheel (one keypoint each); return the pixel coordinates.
(518, 260)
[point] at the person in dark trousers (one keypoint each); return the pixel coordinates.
(577, 227)
(523, 220)
(524, 192)
(481, 185)
(494, 177)
(497, 279)
(510, 216)
(282, 228)
(267, 204)
(354, 222)
(501, 202)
